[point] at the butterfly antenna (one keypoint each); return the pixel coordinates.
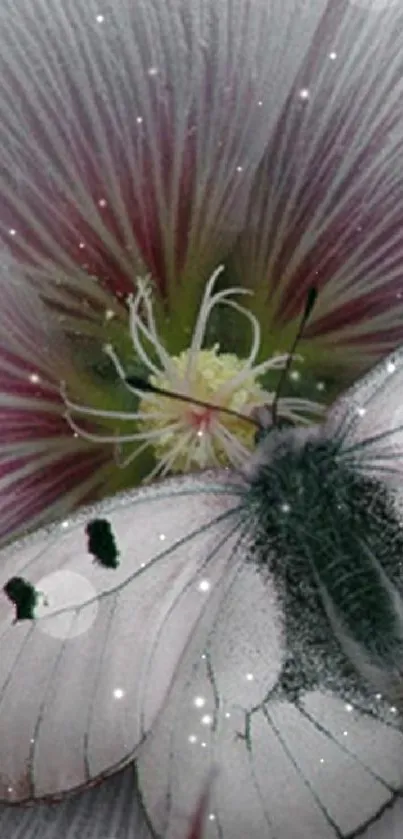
(138, 383)
(310, 302)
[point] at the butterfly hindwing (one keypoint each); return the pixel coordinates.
(316, 765)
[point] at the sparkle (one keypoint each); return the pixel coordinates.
(109, 314)
(304, 93)
(153, 71)
(321, 760)
(207, 719)
(204, 585)
(295, 375)
(285, 508)
(348, 707)
(118, 693)
(162, 537)
(12, 231)
(333, 56)
(192, 738)
(393, 710)
(102, 202)
(139, 120)
(81, 245)
(345, 733)
(199, 701)
(320, 386)
(203, 745)
(361, 411)
(239, 168)
(211, 817)
(100, 18)
(64, 524)
(391, 367)
(249, 677)
(34, 378)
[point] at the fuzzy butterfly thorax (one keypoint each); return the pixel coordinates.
(335, 549)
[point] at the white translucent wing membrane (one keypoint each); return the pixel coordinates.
(81, 685)
(318, 768)
(368, 421)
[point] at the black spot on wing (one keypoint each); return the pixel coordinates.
(101, 543)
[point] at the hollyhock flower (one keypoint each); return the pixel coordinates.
(167, 138)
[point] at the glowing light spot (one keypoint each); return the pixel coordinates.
(333, 56)
(162, 537)
(260, 103)
(295, 375)
(64, 524)
(391, 367)
(348, 707)
(393, 710)
(211, 817)
(102, 202)
(192, 738)
(285, 508)
(321, 760)
(81, 245)
(207, 719)
(69, 605)
(100, 18)
(12, 231)
(109, 314)
(239, 168)
(118, 693)
(304, 93)
(249, 677)
(204, 585)
(361, 411)
(203, 745)
(227, 715)
(153, 71)
(139, 120)
(34, 378)
(320, 386)
(199, 701)
(378, 696)
(345, 733)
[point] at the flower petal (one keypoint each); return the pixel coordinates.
(109, 809)
(327, 207)
(45, 470)
(131, 134)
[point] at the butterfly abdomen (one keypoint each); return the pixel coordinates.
(339, 533)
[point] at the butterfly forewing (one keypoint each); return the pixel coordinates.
(82, 683)
(368, 421)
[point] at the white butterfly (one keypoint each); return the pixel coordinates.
(254, 623)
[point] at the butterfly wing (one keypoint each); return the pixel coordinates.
(368, 421)
(318, 766)
(81, 685)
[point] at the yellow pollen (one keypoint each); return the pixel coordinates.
(200, 427)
